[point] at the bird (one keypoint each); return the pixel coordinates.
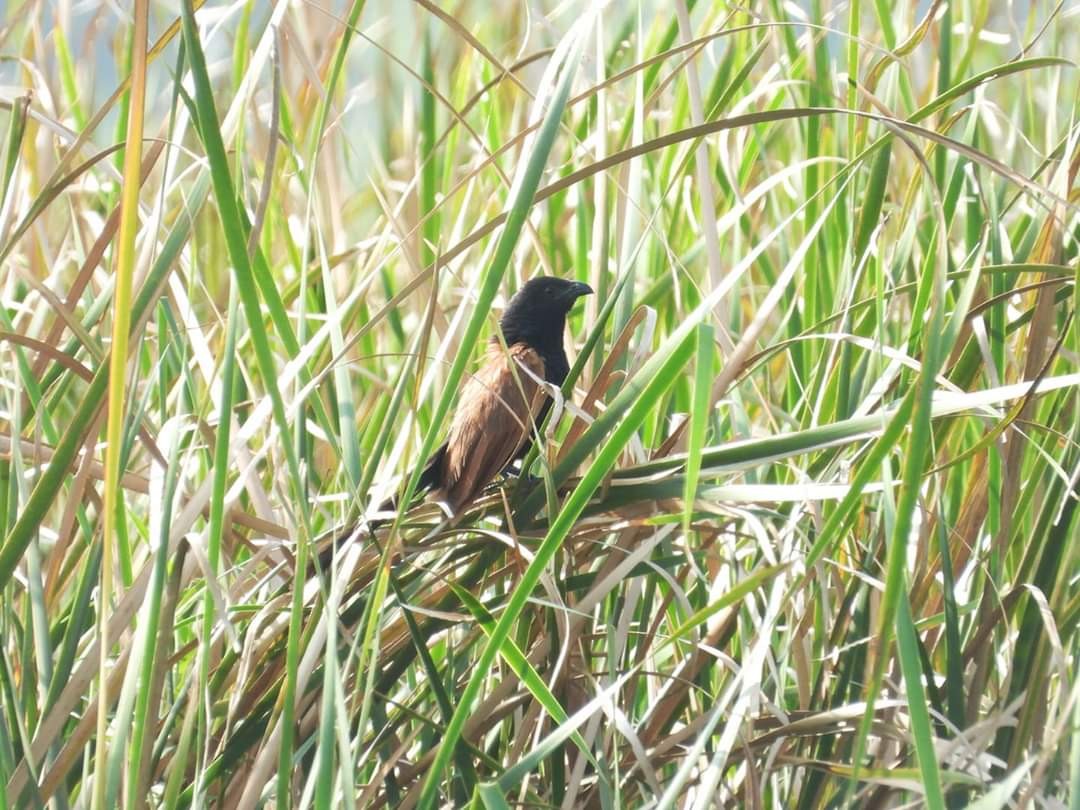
(502, 403)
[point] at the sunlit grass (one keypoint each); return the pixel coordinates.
(802, 536)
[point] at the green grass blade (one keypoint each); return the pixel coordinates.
(572, 507)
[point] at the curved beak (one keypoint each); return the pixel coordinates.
(578, 289)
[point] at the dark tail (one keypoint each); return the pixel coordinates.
(429, 478)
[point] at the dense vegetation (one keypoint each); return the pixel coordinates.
(802, 532)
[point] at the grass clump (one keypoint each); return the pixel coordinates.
(802, 532)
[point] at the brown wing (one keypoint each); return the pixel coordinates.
(494, 418)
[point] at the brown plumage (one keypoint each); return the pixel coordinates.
(498, 410)
(500, 405)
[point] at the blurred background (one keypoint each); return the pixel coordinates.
(800, 534)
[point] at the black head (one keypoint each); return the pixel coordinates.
(537, 313)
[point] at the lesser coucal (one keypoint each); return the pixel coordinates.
(500, 404)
